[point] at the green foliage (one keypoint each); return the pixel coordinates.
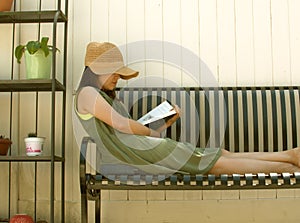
(32, 47)
(32, 134)
(3, 137)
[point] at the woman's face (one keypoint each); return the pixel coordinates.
(108, 81)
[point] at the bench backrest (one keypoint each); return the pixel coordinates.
(240, 119)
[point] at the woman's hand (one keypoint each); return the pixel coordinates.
(175, 116)
(171, 120)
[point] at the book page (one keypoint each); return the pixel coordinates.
(163, 110)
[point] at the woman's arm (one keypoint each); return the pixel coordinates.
(90, 101)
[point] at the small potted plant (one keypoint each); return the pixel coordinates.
(34, 144)
(38, 58)
(21, 218)
(4, 145)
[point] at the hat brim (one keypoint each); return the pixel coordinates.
(111, 68)
(127, 73)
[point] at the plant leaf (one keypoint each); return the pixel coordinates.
(33, 46)
(44, 40)
(44, 45)
(19, 52)
(46, 50)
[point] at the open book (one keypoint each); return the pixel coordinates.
(161, 111)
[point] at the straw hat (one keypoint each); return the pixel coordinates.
(106, 58)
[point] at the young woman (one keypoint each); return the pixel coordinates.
(129, 142)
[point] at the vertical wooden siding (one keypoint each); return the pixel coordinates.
(250, 42)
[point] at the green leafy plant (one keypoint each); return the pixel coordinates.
(3, 137)
(32, 134)
(4, 145)
(32, 47)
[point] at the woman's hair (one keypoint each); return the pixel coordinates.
(89, 78)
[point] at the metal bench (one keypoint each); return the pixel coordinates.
(241, 119)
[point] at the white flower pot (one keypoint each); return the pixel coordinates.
(34, 145)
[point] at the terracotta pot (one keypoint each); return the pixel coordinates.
(4, 146)
(5, 5)
(21, 218)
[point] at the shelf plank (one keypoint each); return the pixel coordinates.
(31, 16)
(30, 159)
(30, 85)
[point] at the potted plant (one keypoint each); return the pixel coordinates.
(38, 58)
(4, 145)
(5, 5)
(21, 218)
(34, 144)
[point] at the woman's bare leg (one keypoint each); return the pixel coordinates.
(291, 156)
(228, 165)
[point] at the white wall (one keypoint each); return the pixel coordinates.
(238, 42)
(249, 42)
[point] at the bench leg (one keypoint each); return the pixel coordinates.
(84, 209)
(98, 208)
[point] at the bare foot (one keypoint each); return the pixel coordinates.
(296, 156)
